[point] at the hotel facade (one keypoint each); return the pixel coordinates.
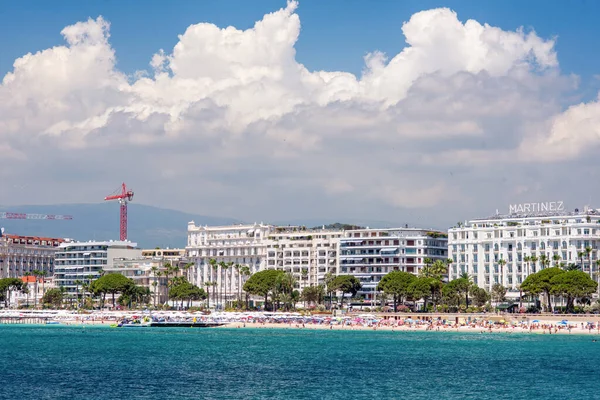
(505, 249)
(310, 255)
(20, 255)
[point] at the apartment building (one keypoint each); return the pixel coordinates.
(369, 254)
(85, 261)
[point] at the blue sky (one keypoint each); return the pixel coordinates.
(336, 34)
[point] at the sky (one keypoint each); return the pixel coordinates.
(418, 112)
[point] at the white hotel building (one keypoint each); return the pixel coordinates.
(478, 245)
(309, 254)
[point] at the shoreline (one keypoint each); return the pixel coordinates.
(317, 327)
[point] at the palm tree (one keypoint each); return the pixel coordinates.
(166, 272)
(588, 252)
(246, 272)
(43, 274)
(155, 273)
(556, 259)
(215, 268)
(208, 284)
(502, 263)
(533, 260)
(544, 261)
(77, 282)
(580, 254)
(26, 289)
(35, 274)
(526, 260)
(239, 284)
(223, 286)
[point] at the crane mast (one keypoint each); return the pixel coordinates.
(124, 197)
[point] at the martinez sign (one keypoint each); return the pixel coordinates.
(549, 206)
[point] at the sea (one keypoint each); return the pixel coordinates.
(99, 362)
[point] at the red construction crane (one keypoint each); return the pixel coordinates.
(12, 215)
(124, 197)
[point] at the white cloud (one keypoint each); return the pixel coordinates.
(230, 122)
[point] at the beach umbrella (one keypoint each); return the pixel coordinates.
(536, 321)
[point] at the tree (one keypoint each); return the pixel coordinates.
(111, 283)
(421, 288)
(184, 290)
(346, 284)
(54, 297)
(480, 296)
(397, 284)
(313, 294)
(456, 289)
(540, 283)
(284, 286)
(498, 293)
(436, 270)
(328, 280)
(572, 285)
(7, 286)
(501, 263)
(263, 283)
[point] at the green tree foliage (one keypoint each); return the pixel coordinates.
(7, 286)
(53, 297)
(111, 283)
(479, 295)
(498, 293)
(456, 289)
(185, 291)
(571, 285)
(346, 284)
(313, 294)
(540, 283)
(263, 283)
(397, 284)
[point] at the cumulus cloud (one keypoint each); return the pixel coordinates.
(229, 121)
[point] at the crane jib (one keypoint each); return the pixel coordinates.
(12, 215)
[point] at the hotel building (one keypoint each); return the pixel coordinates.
(310, 254)
(147, 271)
(307, 254)
(369, 254)
(84, 261)
(243, 245)
(24, 254)
(499, 249)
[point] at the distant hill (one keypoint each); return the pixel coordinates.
(148, 226)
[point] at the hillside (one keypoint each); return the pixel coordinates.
(148, 226)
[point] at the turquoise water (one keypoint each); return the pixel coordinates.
(58, 362)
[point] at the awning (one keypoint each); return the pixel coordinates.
(351, 241)
(86, 254)
(389, 250)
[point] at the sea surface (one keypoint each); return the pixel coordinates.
(65, 362)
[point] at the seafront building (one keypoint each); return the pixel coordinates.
(21, 255)
(78, 263)
(232, 247)
(505, 249)
(150, 270)
(310, 255)
(369, 254)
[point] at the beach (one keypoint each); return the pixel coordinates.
(478, 323)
